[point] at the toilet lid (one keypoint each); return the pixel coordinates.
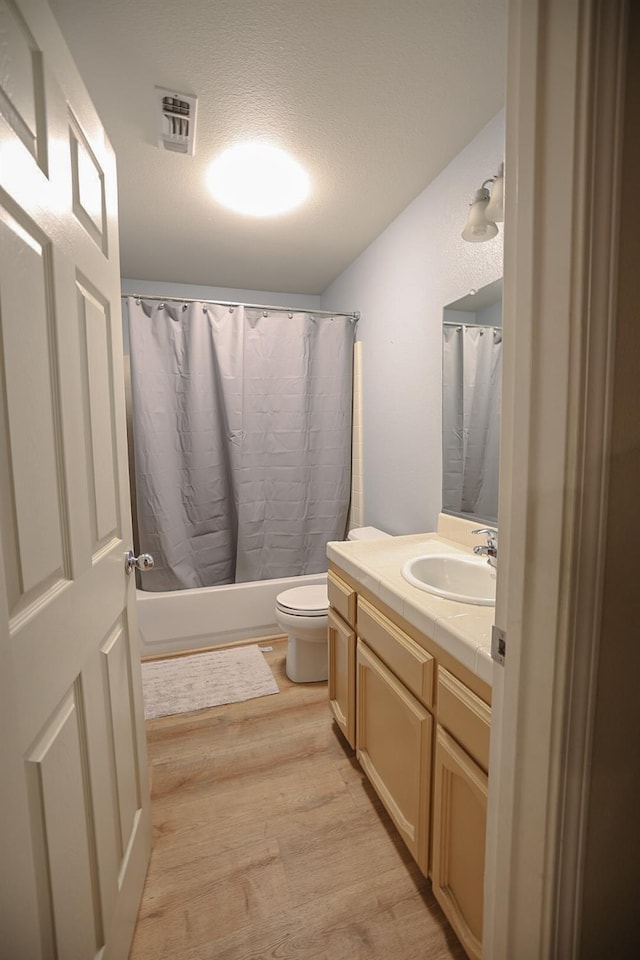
(310, 601)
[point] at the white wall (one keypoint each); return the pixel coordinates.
(401, 283)
(491, 316)
(165, 288)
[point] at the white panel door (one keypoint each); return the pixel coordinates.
(74, 803)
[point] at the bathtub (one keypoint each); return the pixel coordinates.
(191, 619)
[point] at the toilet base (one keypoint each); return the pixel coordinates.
(307, 660)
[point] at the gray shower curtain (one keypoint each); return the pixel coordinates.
(472, 370)
(242, 436)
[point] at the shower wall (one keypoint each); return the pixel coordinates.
(356, 512)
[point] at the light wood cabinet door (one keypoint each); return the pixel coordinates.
(459, 824)
(393, 744)
(342, 676)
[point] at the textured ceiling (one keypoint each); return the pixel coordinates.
(373, 97)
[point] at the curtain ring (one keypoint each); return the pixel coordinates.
(264, 313)
(231, 309)
(290, 316)
(161, 306)
(184, 307)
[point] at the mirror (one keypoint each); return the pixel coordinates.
(471, 386)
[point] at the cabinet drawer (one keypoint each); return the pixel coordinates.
(465, 716)
(342, 597)
(406, 658)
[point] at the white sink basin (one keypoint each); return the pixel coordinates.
(456, 577)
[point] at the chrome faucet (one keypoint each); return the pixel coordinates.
(490, 548)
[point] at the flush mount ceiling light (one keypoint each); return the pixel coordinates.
(486, 210)
(257, 179)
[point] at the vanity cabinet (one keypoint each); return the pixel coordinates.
(420, 722)
(342, 655)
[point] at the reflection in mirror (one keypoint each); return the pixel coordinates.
(472, 374)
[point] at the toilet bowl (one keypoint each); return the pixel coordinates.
(302, 612)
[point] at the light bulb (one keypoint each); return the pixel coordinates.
(478, 227)
(495, 207)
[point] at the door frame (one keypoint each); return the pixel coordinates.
(564, 124)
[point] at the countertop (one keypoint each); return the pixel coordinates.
(462, 629)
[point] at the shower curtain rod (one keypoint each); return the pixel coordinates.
(354, 315)
(488, 326)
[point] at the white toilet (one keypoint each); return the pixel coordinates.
(302, 614)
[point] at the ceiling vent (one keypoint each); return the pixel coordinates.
(176, 121)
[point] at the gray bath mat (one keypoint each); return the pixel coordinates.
(182, 684)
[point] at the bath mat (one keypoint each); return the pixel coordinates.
(182, 684)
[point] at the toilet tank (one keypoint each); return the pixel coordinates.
(366, 533)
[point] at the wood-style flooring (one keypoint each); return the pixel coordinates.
(269, 843)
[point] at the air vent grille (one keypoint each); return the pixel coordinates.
(176, 121)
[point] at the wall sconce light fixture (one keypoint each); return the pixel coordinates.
(495, 210)
(486, 210)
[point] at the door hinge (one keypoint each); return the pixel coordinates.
(498, 644)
